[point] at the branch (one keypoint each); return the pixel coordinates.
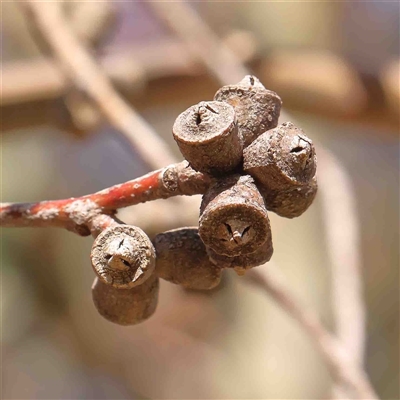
(76, 213)
(101, 222)
(85, 73)
(201, 41)
(335, 354)
(129, 68)
(82, 69)
(338, 204)
(29, 87)
(40, 79)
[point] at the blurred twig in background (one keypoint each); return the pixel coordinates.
(390, 82)
(202, 42)
(338, 358)
(311, 77)
(342, 230)
(323, 83)
(88, 77)
(40, 79)
(84, 71)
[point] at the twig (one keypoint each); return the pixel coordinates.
(101, 222)
(87, 76)
(389, 79)
(30, 86)
(40, 79)
(83, 70)
(335, 354)
(346, 287)
(129, 68)
(76, 213)
(338, 204)
(201, 41)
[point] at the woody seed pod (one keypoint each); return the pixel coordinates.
(257, 109)
(123, 256)
(244, 262)
(233, 218)
(207, 137)
(126, 306)
(182, 259)
(292, 202)
(281, 158)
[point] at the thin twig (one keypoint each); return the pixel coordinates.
(83, 70)
(76, 213)
(40, 79)
(201, 41)
(88, 77)
(102, 222)
(39, 82)
(129, 68)
(341, 227)
(335, 354)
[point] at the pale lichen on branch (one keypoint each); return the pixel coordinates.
(174, 180)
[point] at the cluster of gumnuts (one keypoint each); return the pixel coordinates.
(256, 166)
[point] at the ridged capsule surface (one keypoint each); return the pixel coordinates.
(257, 109)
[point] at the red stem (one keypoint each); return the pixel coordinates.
(75, 213)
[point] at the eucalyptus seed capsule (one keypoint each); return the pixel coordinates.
(257, 109)
(182, 259)
(281, 159)
(207, 137)
(123, 256)
(292, 202)
(126, 306)
(244, 262)
(233, 217)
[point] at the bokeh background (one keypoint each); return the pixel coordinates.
(336, 67)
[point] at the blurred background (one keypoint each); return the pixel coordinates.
(336, 67)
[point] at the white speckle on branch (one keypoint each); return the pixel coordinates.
(80, 211)
(46, 214)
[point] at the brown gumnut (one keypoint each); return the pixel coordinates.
(257, 109)
(182, 259)
(281, 159)
(233, 217)
(244, 262)
(123, 256)
(126, 306)
(292, 202)
(207, 137)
